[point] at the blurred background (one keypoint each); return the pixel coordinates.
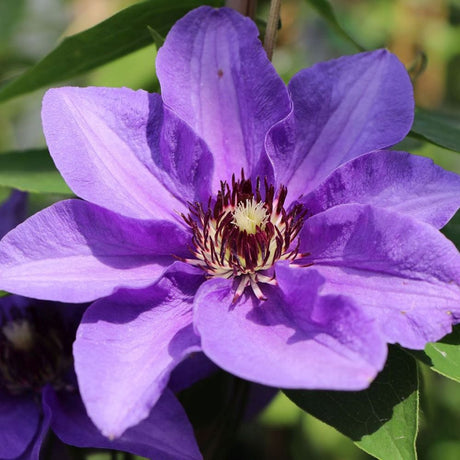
(424, 34)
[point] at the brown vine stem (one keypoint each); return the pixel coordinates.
(245, 7)
(272, 27)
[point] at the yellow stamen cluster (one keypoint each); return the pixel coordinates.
(250, 216)
(19, 334)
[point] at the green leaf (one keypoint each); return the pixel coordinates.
(324, 8)
(31, 171)
(452, 230)
(158, 39)
(439, 129)
(443, 356)
(117, 36)
(382, 420)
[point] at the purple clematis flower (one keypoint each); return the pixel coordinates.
(262, 225)
(38, 388)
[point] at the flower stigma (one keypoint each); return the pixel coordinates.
(241, 235)
(250, 216)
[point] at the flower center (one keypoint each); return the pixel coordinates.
(34, 350)
(241, 235)
(19, 333)
(250, 216)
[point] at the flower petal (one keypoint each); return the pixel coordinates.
(216, 76)
(75, 251)
(397, 181)
(34, 448)
(12, 211)
(128, 344)
(342, 108)
(295, 339)
(166, 433)
(183, 158)
(99, 140)
(19, 422)
(400, 271)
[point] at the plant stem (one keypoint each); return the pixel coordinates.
(272, 27)
(245, 7)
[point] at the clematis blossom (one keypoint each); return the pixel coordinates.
(38, 388)
(266, 226)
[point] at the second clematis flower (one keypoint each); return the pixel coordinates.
(38, 390)
(261, 224)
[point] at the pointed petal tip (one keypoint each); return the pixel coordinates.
(216, 76)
